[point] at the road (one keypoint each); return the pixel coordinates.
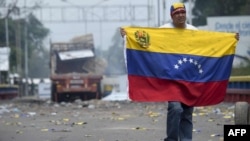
(24, 119)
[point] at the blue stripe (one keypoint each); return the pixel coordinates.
(179, 66)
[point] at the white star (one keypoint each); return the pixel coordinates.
(195, 62)
(176, 66)
(199, 66)
(200, 71)
(180, 62)
(185, 60)
(191, 60)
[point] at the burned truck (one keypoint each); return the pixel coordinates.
(76, 72)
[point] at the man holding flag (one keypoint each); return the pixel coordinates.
(182, 66)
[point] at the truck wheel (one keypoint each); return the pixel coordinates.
(241, 113)
(99, 91)
(248, 114)
(53, 92)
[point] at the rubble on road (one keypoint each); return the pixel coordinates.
(96, 120)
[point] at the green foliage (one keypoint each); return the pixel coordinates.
(38, 54)
(2, 33)
(241, 71)
(36, 33)
(203, 9)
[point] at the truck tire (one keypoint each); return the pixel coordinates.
(99, 91)
(241, 113)
(53, 92)
(248, 114)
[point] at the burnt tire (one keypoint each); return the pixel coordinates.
(241, 113)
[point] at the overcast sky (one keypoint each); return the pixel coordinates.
(63, 32)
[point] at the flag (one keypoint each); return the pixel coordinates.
(190, 66)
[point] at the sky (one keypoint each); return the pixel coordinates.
(102, 32)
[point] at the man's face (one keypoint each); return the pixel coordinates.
(179, 16)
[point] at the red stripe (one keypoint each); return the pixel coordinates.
(145, 89)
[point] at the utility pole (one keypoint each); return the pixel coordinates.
(159, 16)
(6, 35)
(26, 52)
(7, 30)
(190, 11)
(164, 11)
(18, 56)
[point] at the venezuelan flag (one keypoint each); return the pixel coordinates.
(190, 66)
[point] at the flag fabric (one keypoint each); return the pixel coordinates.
(190, 66)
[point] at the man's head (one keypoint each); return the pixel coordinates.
(177, 7)
(178, 14)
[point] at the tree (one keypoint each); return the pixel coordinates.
(36, 33)
(38, 54)
(203, 9)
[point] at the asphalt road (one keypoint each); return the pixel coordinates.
(40, 120)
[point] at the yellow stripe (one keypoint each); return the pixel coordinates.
(183, 41)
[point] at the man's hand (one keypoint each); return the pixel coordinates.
(123, 32)
(237, 36)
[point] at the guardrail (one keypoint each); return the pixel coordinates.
(238, 89)
(8, 91)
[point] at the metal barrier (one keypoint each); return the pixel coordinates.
(8, 91)
(238, 89)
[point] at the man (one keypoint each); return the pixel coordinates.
(179, 117)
